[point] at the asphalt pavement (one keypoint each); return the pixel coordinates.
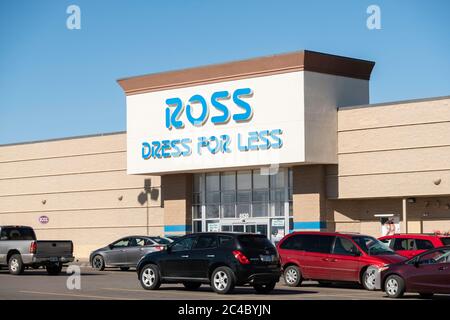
(124, 285)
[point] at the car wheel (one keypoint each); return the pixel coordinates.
(222, 280)
(426, 295)
(54, 269)
(124, 268)
(292, 276)
(369, 279)
(149, 277)
(15, 264)
(264, 288)
(394, 286)
(98, 263)
(192, 285)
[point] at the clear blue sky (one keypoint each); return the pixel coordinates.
(56, 82)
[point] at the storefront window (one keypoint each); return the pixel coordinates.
(196, 211)
(243, 201)
(278, 180)
(212, 182)
(212, 211)
(260, 181)
(228, 181)
(228, 201)
(244, 180)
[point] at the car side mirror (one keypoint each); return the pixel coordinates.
(169, 249)
(417, 263)
(110, 246)
(357, 254)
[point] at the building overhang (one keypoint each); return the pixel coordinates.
(304, 60)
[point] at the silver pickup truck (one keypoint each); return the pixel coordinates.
(20, 249)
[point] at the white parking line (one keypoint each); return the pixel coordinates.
(75, 295)
(356, 296)
(185, 294)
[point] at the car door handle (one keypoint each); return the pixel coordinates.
(185, 256)
(333, 260)
(325, 259)
(142, 249)
(210, 255)
(442, 268)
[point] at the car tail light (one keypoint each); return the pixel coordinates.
(33, 247)
(241, 257)
(159, 248)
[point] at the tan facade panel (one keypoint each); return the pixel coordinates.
(395, 185)
(76, 201)
(81, 185)
(65, 165)
(395, 161)
(394, 150)
(309, 199)
(349, 211)
(75, 182)
(431, 226)
(107, 218)
(177, 195)
(398, 137)
(395, 114)
(113, 142)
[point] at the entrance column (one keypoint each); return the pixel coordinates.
(177, 203)
(309, 197)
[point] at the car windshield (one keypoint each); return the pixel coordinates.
(160, 240)
(446, 241)
(372, 246)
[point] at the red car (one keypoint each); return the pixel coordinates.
(333, 257)
(428, 273)
(410, 245)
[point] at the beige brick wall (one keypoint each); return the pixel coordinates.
(177, 199)
(309, 193)
(394, 150)
(82, 186)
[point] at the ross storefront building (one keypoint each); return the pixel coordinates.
(268, 145)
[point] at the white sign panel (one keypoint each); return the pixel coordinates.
(248, 122)
(213, 227)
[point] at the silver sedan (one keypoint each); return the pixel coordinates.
(126, 252)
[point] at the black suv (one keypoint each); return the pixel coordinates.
(221, 259)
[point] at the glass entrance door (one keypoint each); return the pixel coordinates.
(260, 228)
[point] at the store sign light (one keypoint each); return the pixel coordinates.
(179, 114)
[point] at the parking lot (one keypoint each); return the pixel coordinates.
(123, 285)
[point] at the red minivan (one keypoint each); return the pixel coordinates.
(410, 245)
(333, 257)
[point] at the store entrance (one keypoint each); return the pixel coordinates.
(250, 227)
